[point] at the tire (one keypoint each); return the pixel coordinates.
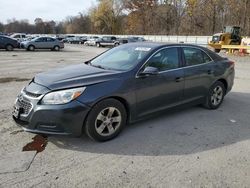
(215, 96)
(105, 120)
(9, 47)
(217, 50)
(56, 48)
(31, 48)
(116, 44)
(98, 45)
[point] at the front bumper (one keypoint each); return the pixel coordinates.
(65, 119)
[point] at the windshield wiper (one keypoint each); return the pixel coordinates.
(98, 66)
(101, 67)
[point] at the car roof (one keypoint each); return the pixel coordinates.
(158, 45)
(162, 44)
(4, 36)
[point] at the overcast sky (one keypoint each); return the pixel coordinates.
(55, 10)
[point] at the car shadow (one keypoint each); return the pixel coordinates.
(175, 132)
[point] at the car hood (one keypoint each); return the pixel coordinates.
(73, 76)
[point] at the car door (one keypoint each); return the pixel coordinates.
(51, 42)
(112, 41)
(40, 42)
(198, 73)
(158, 92)
(104, 41)
(2, 42)
(108, 41)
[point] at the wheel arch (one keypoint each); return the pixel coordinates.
(118, 98)
(31, 45)
(54, 47)
(9, 44)
(224, 81)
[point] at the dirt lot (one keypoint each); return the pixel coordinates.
(193, 147)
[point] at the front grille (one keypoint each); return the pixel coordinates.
(24, 105)
(34, 95)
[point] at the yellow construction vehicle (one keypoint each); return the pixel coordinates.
(230, 36)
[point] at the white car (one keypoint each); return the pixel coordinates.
(19, 36)
(91, 41)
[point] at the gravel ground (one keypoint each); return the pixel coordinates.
(191, 147)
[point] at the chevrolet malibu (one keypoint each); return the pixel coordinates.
(122, 85)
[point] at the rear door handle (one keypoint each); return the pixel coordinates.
(178, 79)
(210, 71)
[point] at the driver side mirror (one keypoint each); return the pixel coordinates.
(149, 71)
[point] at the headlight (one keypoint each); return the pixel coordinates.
(63, 96)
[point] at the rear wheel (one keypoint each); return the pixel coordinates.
(9, 47)
(215, 95)
(31, 48)
(56, 48)
(106, 120)
(98, 45)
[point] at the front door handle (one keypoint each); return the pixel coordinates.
(178, 79)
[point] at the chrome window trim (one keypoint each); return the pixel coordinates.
(137, 76)
(202, 51)
(165, 47)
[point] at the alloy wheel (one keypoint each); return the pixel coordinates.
(217, 95)
(108, 121)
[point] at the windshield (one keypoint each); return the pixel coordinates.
(216, 38)
(121, 58)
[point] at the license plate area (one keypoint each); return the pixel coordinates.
(17, 111)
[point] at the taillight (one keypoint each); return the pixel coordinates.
(232, 63)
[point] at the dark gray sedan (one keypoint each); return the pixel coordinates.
(42, 43)
(8, 43)
(122, 85)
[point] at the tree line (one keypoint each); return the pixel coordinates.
(145, 17)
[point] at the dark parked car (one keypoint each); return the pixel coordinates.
(42, 43)
(19, 36)
(68, 38)
(122, 85)
(130, 39)
(8, 43)
(107, 41)
(77, 40)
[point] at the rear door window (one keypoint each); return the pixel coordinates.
(50, 40)
(165, 59)
(195, 56)
(42, 39)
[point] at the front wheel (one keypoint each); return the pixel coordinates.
(106, 120)
(31, 48)
(215, 95)
(9, 47)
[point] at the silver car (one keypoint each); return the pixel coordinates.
(42, 43)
